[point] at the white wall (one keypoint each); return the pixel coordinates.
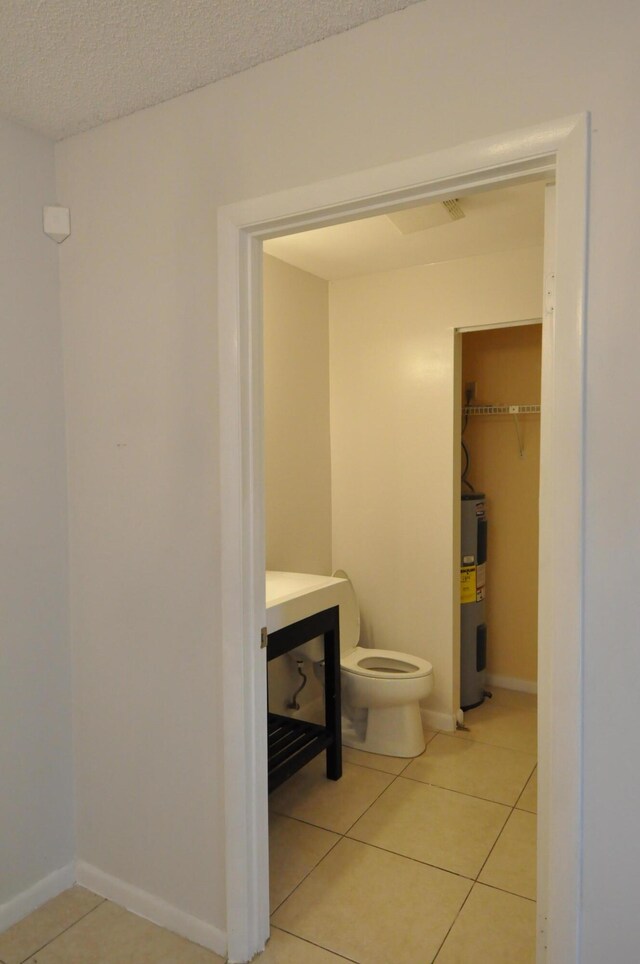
(36, 791)
(139, 306)
(393, 448)
(297, 450)
(296, 419)
(138, 299)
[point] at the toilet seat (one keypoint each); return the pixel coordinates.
(384, 664)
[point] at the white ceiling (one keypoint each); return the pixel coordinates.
(68, 65)
(508, 218)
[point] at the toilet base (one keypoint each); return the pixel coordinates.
(389, 731)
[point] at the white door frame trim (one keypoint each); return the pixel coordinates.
(561, 147)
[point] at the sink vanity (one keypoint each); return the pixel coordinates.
(302, 608)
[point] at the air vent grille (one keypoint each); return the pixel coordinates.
(454, 208)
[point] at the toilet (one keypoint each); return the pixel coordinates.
(381, 688)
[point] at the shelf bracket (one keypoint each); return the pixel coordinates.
(513, 410)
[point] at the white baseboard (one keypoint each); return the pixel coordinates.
(153, 908)
(512, 683)
(29, 900)
(437, 721)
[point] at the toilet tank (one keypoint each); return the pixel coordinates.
(349, 614)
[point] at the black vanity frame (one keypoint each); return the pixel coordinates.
(293, 742)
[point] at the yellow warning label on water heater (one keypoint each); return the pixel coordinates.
(467, 584)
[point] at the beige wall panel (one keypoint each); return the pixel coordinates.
(393, 439)
(297, 447)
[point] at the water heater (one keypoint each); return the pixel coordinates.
(473, 628)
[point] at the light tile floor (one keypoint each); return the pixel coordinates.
(401, 861)
(431, 859)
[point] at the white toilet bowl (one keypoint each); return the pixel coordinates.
(388, 686)
(381, 688)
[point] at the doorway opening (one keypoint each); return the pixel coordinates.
(242, 229)
(360, 371)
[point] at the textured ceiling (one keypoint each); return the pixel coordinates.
(68, 65)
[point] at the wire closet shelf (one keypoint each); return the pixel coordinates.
(513, 410)
(502, 410)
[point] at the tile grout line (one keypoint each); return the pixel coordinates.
(313, 944)
(47, 943)
(524, 788)
(415, 860)
(307, 823)
(463, 793)
(495, 842)
(382, 792)
(310, 871)
(473, 739)
(389, 773)
(501, 890)
(458, 735)
(435, 957)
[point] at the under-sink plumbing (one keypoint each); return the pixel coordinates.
(293, 703)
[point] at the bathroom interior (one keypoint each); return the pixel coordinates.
(402, 370)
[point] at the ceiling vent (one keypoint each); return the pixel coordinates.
(454, 208)
(427, 216)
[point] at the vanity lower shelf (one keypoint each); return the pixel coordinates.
(293, 742)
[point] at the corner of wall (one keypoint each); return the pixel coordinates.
(153, 908)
